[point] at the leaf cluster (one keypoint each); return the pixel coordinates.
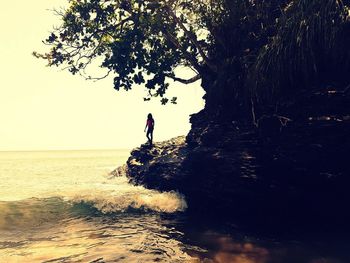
(140, 42)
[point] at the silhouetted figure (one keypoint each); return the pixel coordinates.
(149, 127)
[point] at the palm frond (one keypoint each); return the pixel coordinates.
(310, 47)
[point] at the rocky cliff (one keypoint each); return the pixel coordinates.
(159, 166)
(293, 168)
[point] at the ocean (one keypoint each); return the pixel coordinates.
(64, 206)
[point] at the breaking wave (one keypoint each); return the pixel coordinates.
(107, 198)
(110, 196)
(142, 199)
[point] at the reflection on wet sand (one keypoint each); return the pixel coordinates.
(224, 249)
(241, 253)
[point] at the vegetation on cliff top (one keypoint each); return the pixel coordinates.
(247, 52)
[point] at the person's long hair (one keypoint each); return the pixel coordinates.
(150, 116)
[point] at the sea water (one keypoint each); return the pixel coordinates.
(64, 206)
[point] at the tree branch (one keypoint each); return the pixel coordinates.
(192, 39)
(184, 81)
(98, 78)
(176, 43)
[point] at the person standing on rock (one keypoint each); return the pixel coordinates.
(149, 127)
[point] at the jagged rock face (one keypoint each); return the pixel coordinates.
(296, 168)
(286, 166)
(119, 171)
(158, 166)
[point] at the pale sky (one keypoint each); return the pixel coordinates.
(45, 108)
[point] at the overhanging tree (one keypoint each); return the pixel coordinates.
(140, 42)
(143, 42)
(234, 42)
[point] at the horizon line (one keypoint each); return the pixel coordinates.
(67, 150)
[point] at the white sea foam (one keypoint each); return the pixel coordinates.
(137, 198)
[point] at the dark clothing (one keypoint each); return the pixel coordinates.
(150, 123)
(150, 127)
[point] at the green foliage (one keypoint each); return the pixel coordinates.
(245, 29)
(260, 51)
(140, 42)
(310, 48)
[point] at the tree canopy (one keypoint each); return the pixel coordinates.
(260, 48)
(140, 42)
